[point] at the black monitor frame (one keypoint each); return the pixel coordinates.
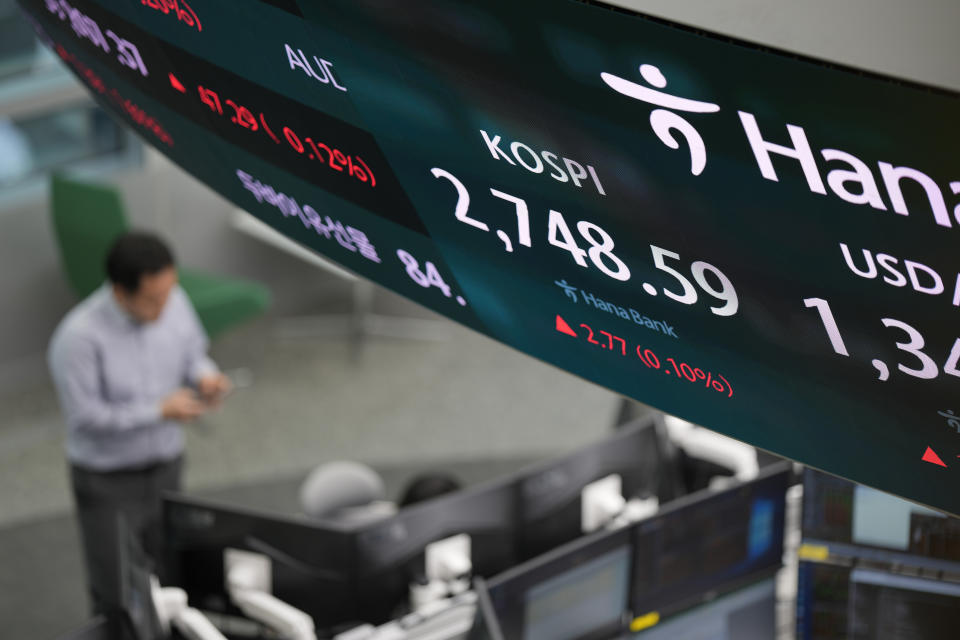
(548, 501)
(311, 560)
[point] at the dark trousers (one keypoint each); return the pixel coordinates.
(101, 499)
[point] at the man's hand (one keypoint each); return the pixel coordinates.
(182, 405)
(213, 388)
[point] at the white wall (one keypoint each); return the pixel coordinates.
(913, 39)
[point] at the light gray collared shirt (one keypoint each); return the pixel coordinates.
(112, 374)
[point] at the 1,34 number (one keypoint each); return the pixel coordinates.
(914, 345)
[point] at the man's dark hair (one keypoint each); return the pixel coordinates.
(426, 486)
(135, 254)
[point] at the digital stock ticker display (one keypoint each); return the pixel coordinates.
(762, 244)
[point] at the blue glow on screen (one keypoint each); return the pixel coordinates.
(760, 538)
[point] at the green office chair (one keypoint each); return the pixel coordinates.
(87, 218)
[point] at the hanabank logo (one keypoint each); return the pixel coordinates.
(847, 176)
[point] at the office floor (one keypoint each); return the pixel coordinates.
(461, 402)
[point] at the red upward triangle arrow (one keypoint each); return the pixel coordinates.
(563, 327)
(931, 456)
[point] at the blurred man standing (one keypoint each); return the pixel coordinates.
(129, 364)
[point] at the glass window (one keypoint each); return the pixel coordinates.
(47, 120)
(19, 49)
(37, 144)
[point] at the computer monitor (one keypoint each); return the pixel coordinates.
(837, 602)
(855, 521)
(577, 592)
(748, 613)
(549, 494)
(312, 563)
(709, 543)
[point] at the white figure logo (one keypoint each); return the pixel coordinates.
(665, 122)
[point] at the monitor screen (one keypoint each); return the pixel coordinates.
(842, 602)
(748, 613)
(576, 592)
(855, 520)
(757, 242)
(549, 494)
(312, 564)
(709, 542)
(574, 604)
